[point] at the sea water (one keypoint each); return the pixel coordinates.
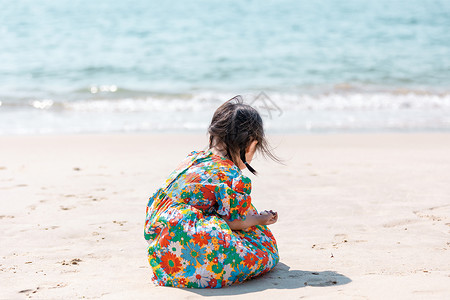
(84, 66)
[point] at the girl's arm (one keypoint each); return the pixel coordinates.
(252, 220)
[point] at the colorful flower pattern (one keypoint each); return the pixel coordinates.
(190, 244)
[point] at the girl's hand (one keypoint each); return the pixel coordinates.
(267, 217)
(252, 219)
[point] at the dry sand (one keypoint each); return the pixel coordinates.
(361, 216)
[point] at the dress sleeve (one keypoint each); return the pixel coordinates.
(234, 202)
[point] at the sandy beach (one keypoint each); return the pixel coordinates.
(361, 216)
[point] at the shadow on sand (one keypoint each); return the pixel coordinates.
(281, 277)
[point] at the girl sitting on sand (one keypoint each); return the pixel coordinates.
(202, 229)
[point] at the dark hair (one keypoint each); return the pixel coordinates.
(234, 126)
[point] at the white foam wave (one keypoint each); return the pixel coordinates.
(139, 105)
(301, 102)
(361, 101)
(281, 113)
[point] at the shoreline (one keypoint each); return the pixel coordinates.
(278, 133)
(361, 215)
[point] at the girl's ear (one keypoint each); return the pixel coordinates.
(252, 147)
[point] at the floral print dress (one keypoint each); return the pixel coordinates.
(190, 244)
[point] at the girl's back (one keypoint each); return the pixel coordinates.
(193, 225)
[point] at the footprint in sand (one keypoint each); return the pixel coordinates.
(402, 222)
(29, 291)
(437, 214)
(74, 261)
(12, 187)
(59, 285)
(51, 227)
(120, 223)
(66, 207)
(339, 239)
(6, 217)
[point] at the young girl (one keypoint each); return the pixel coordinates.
(202, 229)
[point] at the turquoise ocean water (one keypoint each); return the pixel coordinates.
(84, 66)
